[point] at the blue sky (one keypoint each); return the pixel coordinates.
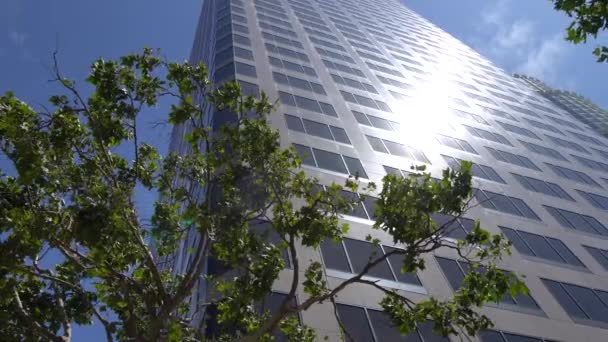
(519, 36)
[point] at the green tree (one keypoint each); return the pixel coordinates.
(72, 195)
(590, 17)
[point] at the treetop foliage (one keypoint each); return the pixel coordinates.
(71, 196)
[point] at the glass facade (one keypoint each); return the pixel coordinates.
(369, 87)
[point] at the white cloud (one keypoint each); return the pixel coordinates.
(517, 43)
(17, 38)
(541, 62)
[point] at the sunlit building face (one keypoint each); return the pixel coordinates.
(369, 87)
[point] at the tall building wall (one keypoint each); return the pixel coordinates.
(372, 87)
(577, 105)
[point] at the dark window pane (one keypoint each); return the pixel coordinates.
(426, 330)
(370, 205)
(396, 262)
(318, 129)
(600, 256)
(354, 167)
(308, 104)
(520, 338)
(356, 207)
(305, 154)
(287, 99)
(540, 246)
(379, 123)
(564, 299)
(355, 322)
(339, 134)
(329, 160)
(328, 109)
(517, 241)
(334, 256)
(589, 302)
(383, 327)
(294, 123)
(377, 144)
(452, 272)
(361, 253)
(491, 336)
(361, 118)
(565, 252)
(396, 149)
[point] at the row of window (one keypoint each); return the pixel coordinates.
(513, 158)
(307, 104)
(227, 71)
(397, 149)
(287, 65)
(343, 68)
(573, 175)
(354, 83)
(363, 324)
(330, 161)
(384, 69)
(542, 150)
(338, 56)
(543, 187)
(469, 116)
(315, 128)
(352, 256)
(543, 247)
(576, 221)
(281, 40)
(279, 50)
(478, 170)
(592, 164)
(455, 271)
(518, 130)
(375, 121)
(458, 144)
(298, 83)
(365, 101)
(581, 303)
(505, 204)
(487, 135)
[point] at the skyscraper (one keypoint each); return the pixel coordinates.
(370, 87)
(575, 104)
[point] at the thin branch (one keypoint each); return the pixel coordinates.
(29, 320)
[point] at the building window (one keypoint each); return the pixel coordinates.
(581, 303)
(391, 147)
(505, 204)
(575, 221)
(543, 247)
(478, 170)
(487, 135)
(455, 271)
(501, 336)
(573, 175)
(318, 129)
(330, 161)
(513, 158)
(458, 144)
(365, 101)
(375, 121)
(600, 255)
(298, 83)
(363, 324)
(307, 104)
(352, 256)
(543, 187)
(518, 130)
